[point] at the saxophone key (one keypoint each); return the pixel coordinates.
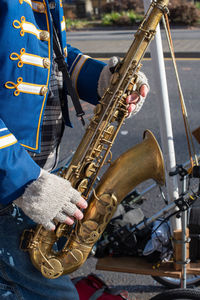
(106, 205)
(132, 85)
(51, 268)
(108, 133)
(90, 169)
(106, 141)
(89, 231)
(73, 179)
(97, 151)
(82, 185)
(62, 230)
(98, 109)
(115, 116)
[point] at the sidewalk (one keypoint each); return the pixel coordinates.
(104, 44)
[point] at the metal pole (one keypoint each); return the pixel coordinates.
(184, 241)
(165, 123)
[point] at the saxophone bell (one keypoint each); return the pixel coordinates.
(142, 162)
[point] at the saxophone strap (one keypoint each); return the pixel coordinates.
(188, 133)
(62, 66)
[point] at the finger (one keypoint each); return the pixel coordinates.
(49, 226)
(82, 203)
(63, 218)
(71, 210)
(76, 198)
(69, 221)
(131, 108)
(144, 90)
(133, 98)
(78, 214)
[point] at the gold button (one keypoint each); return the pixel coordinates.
(44, 35)
(46, 63)
(41, 7)
(43, 90)
(65, 52)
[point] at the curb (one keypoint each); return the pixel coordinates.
(147, 54)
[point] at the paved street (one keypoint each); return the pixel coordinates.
(103, 44)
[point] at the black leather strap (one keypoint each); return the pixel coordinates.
(62, 66)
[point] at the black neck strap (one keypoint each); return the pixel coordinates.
(62, 66)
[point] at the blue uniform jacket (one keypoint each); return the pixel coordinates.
(25, 66)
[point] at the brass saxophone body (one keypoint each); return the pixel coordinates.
(142, 162)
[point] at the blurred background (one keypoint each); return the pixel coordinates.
(90, 13)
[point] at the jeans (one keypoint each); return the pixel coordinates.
(19, 279)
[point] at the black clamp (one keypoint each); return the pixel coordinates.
(187, 261)
(179, 170)
(196, 171)
(182, 203)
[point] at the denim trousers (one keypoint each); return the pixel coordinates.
(19, 279)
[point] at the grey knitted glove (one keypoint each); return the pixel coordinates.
(47, 198)
(105, 76)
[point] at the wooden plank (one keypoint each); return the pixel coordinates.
(136, 265)
(194, 269)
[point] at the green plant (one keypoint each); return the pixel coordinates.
(123, 18)
(110, 19)
(134, 17)
(197, 4)
(181, 12)
(75, 24)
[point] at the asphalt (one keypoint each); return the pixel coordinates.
(106, 43)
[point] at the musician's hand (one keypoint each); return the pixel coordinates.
(137, 98)
(50, 198)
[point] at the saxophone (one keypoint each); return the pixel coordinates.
(142, 162)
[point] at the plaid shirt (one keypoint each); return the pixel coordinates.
(53, 125)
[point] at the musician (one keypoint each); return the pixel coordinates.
(32, 119)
